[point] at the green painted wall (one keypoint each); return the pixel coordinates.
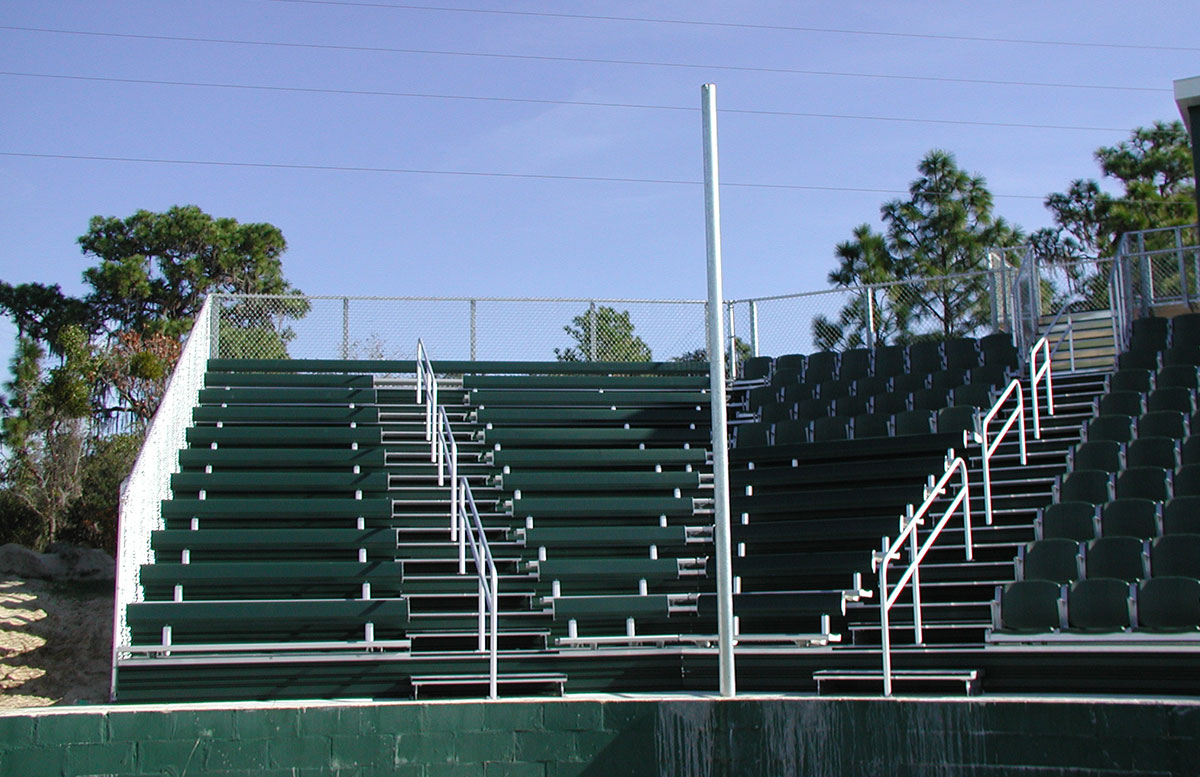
(686, 737)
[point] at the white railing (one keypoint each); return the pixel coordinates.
(489, 585)
(988, 449)
(149, 481)
(908, 533)
(443, 452)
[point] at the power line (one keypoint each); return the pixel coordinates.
(547, 101)
(526, 176)
(585, 60)
(749, 26)
(468, 173)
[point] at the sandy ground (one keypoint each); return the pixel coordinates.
(55, 642)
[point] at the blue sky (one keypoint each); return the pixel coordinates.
(387, 233)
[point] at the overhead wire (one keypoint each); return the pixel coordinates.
(748, 26)
(547, 101)
(583, 60)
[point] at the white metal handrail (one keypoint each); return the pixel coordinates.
(908, 533)
(989, 448)
(489, 585)
(427, 391)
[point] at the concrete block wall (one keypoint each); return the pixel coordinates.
(692, 737)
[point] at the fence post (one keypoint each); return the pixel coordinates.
(473, 330)
(732, 357)
(345, 327)
(591, 331)
(870, 317)
(753, 328)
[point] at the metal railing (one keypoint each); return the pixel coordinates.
(149, 481)
(489, 585)
(443, 452)
(988, 449)
(908, 534)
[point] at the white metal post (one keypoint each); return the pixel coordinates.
(753, 328)
(716, 375)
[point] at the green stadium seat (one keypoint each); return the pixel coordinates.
(785, 376)
(1117, 556)
(1086, 485)
(871, 425)
(869, 386)
(926, 357)
(1150, 333)
(956, 418)
(889, 361)
(928, 399)
(1152, 483)
(1130, 403)
(289, 540)
(1169, 604)
(1130, 380)
(757, 397)
(962, 353)
(1189, 450)
(889, 403)
(851, 405)
(605, 536)
(1184, 375)
(1097, 454)
(998, 349)
(1172, 398)
(854, 364)
(808, 409)
(1130, 518)
(1175, 554)
(1099, 604)
(1152, 452)
(1056, 560)
(833, 388)
(1029, 606)
(752, 435)
(948, 379)
(1187, 481)
(1074, 521)
(776, 411)
(912, 422)
(1182, 515)
(1118, 428)
(820, 366)
(789, 361)
(797, 392)
(1163, 423)
(909, 382)
(792, 432)
(990, 374)
(1137, 360)
(978, 394)
(657, 569)
(1185, 330)
(831, 428)
(757, 368)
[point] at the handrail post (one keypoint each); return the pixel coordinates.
(916, 579)
(884, 621)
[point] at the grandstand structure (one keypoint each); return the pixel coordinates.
(1011, 509)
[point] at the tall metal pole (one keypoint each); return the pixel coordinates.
(716, 376)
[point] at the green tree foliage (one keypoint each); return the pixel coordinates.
(1158, 189)
(44, 428)
(740, 346)
(931, 239)
(91, 518)
(606, 333)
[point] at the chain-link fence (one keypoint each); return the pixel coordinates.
(962, 305)
(481, 328)
(1163, 266)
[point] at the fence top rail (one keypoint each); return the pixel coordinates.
(339, 297)
(861, 288)
(459, 366)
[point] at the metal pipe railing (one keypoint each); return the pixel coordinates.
(489, 584)
(908, 533)
(989, 449)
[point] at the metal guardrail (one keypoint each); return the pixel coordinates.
(908, 533)
(443, 452)
(989, 449)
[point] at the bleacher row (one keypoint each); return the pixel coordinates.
(1118, 550)
(921, 388)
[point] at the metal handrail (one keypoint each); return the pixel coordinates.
(988, 449)
(908, 533)
(443, 451)
(489, 585)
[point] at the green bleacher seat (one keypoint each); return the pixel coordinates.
(267, 620)
(253, 575)
(1184, 375)
(854, 363)
(820, 366)
(835, 427)
(926, 357)
(579, 397)
(1172, 398)
(998, 349)
(1129, 403)
(1175, 554)
(290, 539)
(1152, 452)
(297, 481)
(869, 385)
(1149, 333)
(286, 380)
(1098, 454)
(808, 409)
(1144, 483)
(909, 382)
(793, 431)
(603, 458)
(776, 411)
(1075, 521)
(1086, 485)
(563, 416)
(785, 376)
(945, 380)
(286, 414)
(834, 388)
(551, 480)
(610, 606)
(798, 392)
(1185, 329)
(596, 568)
(990, 374)
(889, 361)
(977, 394)
(889, 403)
(606, 536)
(607, 382)
(1135, 379)
(277, 508)
(1130, 518)
(757, 397)
(956, 418)
(1164, 423)
(280, 458)
(548, 436)
(928, 399)
(870, 425)
(283, 436)
(601, 506)
(1182, 515)
(1169, 604)
(1109, 427)
(1029, 606)
(293, 396)
(752, 434)
(1180, 354)
(1115, 556)
(757, 368)
(1056, 560)
(912, 422)
(852, 405)
(962, 353)
(1187, 481)
(1099, 604)
(1137, 360)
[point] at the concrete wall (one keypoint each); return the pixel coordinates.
(696, 737)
